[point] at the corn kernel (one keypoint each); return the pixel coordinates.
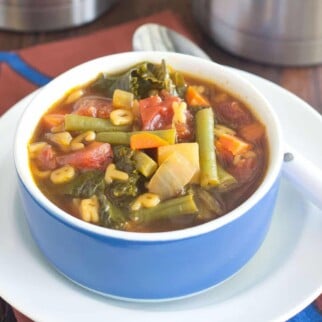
(87, 136)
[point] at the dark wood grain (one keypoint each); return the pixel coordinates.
(306, 82)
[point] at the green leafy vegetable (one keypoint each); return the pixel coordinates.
(85, 185)
(92, 183)
(124, 158)
(141, 80)
(111, 216)
(122, 193)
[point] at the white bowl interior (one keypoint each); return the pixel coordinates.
(79, 75)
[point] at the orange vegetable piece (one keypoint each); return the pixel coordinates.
(51, 120)
(232, 144)
(194, 98)
(146, 140)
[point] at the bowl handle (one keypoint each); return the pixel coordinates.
(304, 174)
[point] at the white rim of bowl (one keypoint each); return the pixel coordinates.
(272, 171)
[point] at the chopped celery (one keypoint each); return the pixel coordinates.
(145, 164)
(171, 177)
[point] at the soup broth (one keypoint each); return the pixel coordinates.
(148, 150)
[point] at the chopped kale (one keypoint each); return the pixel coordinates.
(85, 185)
(111, 216)
(122, 193)
(92, 183)
(141, 80)
(124, 158)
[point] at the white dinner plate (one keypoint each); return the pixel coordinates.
(282, 278)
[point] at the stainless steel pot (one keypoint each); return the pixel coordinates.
(40, 15)
(286, 32)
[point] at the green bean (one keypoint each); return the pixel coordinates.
(179, 206)
(207, 155)
(74, 122)
(114, 137)
(145, 164)
(207, 202)
(226, 180)
(124, 137)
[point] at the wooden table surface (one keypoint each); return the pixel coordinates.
(305, 82)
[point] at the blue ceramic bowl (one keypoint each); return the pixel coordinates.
(148, 266)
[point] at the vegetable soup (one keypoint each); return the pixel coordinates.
(150, 149)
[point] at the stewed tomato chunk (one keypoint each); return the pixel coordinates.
(94, 156)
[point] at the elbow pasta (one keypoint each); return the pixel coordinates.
(112, 173)
(74, 96)
(87, 136)
(179, 112)
(63, 174)
(77, 142)
(146, 200)
(89, 209)
(36, 147)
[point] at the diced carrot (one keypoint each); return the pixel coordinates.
(145, 140)
(252, 132)
(52, 120)
(232, 144)
(194, 98)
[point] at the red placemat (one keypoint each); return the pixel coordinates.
(53, 58)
